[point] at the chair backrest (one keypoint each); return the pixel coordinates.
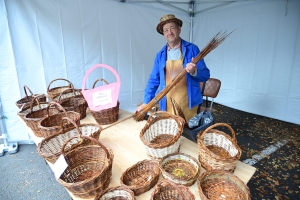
(212, 87)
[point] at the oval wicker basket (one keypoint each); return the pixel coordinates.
(36, 106)
(50, 147)
(67, 94)
(168, 190)
(161, 134)
(89, 169)
(180, 168)
(33, 118)
(220, 184)
(217, 150)
(51, 124)
(56, 91)
(26, 101)
(116, 193)
(141, 177)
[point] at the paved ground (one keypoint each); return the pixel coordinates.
(25, 175)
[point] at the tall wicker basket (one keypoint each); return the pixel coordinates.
(217, 150)
(161, 134)
(219, 184)
(89, 169)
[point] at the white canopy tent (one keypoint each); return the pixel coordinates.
(259, 64)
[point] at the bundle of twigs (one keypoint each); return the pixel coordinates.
(215, 41)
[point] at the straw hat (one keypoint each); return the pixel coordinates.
(166, 19)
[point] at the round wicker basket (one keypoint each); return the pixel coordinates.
(217, 150)
(161, 134)
(106, 116)
(116, 193)
(168, 190)
(180, 168)
(220, 184)
(89, 169)
(141, 177)
(50, 147)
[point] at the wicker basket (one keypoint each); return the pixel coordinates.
(219, 184)
(50, 147)
(168, 190)
(89, 169)
(67, 94)
(106, 116)
(56, 91)
(26, 101)
(180, 168)
(116, 193)
(33, 118)
(217, 150)
(141, 177)
(161, 134)
(51, 124)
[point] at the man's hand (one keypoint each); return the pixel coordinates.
(190, 67)
(138, 109)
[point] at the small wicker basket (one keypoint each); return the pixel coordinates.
(51, 124)
(161, 134)
(168, 190)
(56, 91)
(33, 118)
(217, 150)
(180, 168)
(67, 94)
(50, 147)
(116, 193)
(141, 177)
(89, 169)
(26, 101)
(219, 184)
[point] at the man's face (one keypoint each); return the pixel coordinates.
(171, 32)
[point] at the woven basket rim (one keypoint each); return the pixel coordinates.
(112, 189)
(171, 142)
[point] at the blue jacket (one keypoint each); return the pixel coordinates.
(156, 81)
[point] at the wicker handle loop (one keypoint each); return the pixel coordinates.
(71, 121)
(87, 137)
(100, 79)
(69, 89)
(70, 84)
(57, 105)
(36, 98)
(26, 87)
(219, 124)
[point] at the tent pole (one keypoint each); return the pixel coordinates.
(192, 14)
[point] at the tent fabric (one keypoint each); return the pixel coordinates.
(258, 64)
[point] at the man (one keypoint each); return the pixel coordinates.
(169, 62)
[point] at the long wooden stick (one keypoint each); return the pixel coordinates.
(215, 41)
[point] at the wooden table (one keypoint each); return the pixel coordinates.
(123, 138)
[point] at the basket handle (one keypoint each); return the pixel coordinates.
(164, 114)
(70, 84)
(219, 124)
(71, 121)
(80, 140)
(36, 98)
(26, 87)
(57, 105)
(100, 79)
(63, 92)
(99, 66)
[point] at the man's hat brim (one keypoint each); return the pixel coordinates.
(160, 26)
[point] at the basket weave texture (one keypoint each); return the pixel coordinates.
(180, 168)
(116, 193)
(51, 124)
(141, 177)
(50, 147)
(161, 134)
(26, 101)
(168, 190)
(33, 118)
(89, 169)
(36, 106)
(220, 184)
(67, 94)
(217, 150)
(56, 91)
(106, 116)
